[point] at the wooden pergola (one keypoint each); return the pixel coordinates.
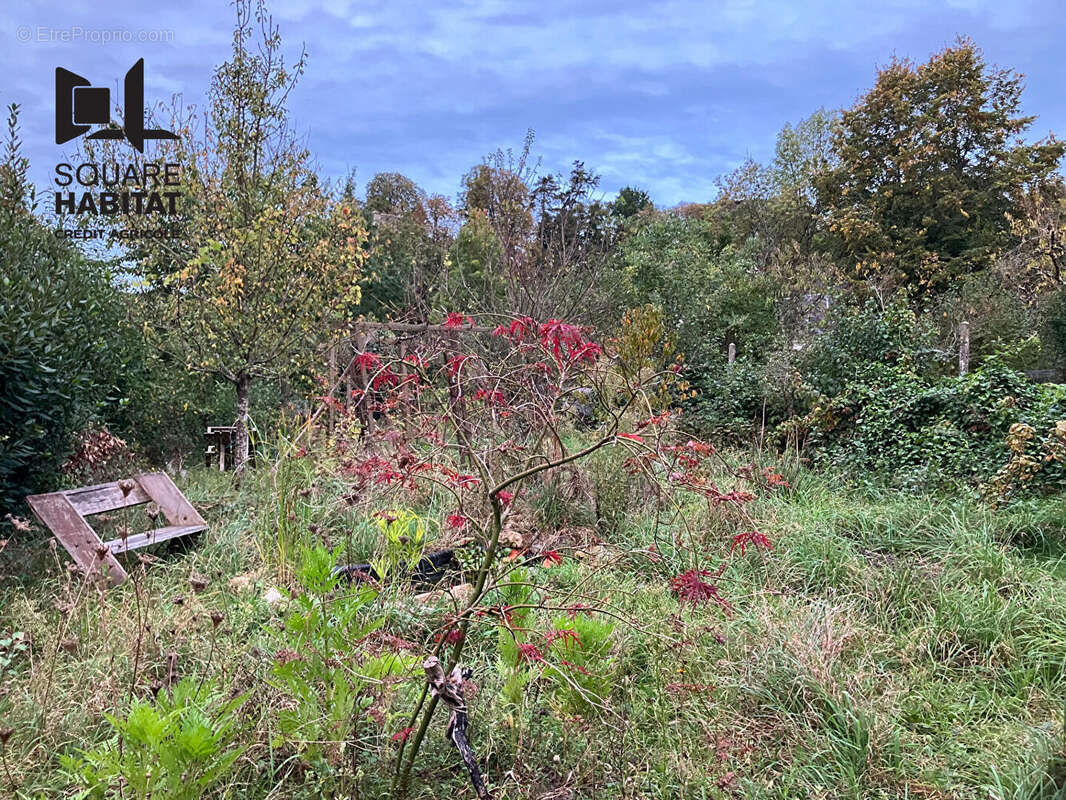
(355, 378)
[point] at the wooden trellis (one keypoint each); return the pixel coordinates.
(354, 378)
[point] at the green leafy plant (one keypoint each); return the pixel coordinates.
(178, 746)
(403, 538)
(889, 423)
(572, 657)
(62, 337)
(12, 645)
(317, 666)
(579, 648)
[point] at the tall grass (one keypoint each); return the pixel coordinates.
(889, 645)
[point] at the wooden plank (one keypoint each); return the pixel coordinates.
(89, 553)
(152, 537)
(422, 327)
(170, 500)
(106, 497)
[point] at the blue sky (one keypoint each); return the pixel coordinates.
(665, 96)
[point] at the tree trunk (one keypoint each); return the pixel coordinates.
(240, 455)
(964, 348)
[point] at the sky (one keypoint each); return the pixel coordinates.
(663, 96)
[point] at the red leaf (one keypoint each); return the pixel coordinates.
(455, 320)
(367, 361)
(529, 653)
(754, 538)
(691, 587)
(568, 637)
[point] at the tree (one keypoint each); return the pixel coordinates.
(270, 262)
(573, 238)
(929, 160)
(630, 202)
(539, 244)
(1038, 264)
(410, 236)
(711, 295)
(485, 427)
(497, 193)
(393, 193)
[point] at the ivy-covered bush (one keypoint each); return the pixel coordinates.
(891, 423)
(856, 336)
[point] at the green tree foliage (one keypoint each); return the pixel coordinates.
(475, 277)
(777, 204)
(62, 330)
(410, 236)
(393, 193)
(775, 210)
(631, 202)
(271, 262)
(497, 193)
(711, 295)
(929, 160)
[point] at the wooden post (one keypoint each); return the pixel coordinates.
(732, 352)
(403, 380)
(332, 383)
(964, 347)
(366, 415)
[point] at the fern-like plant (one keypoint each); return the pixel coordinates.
(178, 746)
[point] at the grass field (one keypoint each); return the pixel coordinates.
(888, 645)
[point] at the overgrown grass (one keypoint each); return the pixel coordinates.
(889, 645)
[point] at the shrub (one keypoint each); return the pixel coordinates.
(179, 746)
(860, 335)
(889, 422)
(61, 344)
(731, 400)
